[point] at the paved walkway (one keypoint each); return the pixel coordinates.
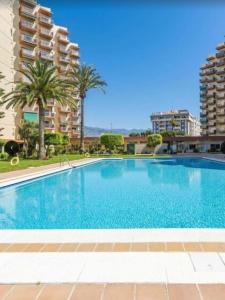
(112, 292)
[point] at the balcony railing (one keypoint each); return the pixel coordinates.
(74, 53)
(63, 49)
(220, 54)
(45, 32)
(29, 2)
(49, 114)
(47, 56)
(46, 44)
(45, 20)
(27, 53)
(63, 39)
(49, 126)
(64, 59)
(50, 102)
(27, 11)
(29, 39)
(28, 25)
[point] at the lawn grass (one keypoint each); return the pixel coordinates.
(5, 166)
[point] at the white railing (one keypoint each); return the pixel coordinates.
(28, 39)
(28, 24)
(45, 19)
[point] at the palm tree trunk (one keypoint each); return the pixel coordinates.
(82, 126)
(41, 132)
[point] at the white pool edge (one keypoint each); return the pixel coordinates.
(104, 235)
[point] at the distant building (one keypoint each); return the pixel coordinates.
(179, 120)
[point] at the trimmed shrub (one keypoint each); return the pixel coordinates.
(4, 156)
(110, 140)
(154, 140)
(65, 139)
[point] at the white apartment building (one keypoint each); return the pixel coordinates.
(179, 120)
(27, 33)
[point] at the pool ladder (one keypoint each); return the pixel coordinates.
(63, 160)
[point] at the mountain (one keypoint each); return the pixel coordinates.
(96, 131)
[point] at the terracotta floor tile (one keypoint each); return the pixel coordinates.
(87, 292)
(4, 289)
(56, 292)
(139, 247)
(34, 248)
(24, 292)
(86, 247)
(213, 247)
(157, 247)
(151, 292)
(68, 247)
(212, 291)
(104, 247)
(174, 247)
(195, 247)
(3, 247)
(51, 248)
(16, 247)
(119, 292)
(183, 292)
(122, 247)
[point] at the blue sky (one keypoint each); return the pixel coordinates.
(148, 53)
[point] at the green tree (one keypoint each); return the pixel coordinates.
(84, 79)
(154, 140)
(28, 132)
(43, 84)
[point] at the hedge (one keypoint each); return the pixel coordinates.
(56, 139)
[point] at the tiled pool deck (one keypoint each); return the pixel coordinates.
(159, 264)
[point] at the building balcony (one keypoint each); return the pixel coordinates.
(27, 12)
(74, 62)
(211, 79)
(46, 44)
(220, 72)
(220, 112)
(49, 126)
(64, 60)
(46, 21)
(211, 86)
(220, 104)
(220, 46)
(31, 3)
(50, 102)
(65, 109)
(49, 114)
(211, 116)
(28, 53)
(46, 33)
(220, 63)
(28, 39)
(220, 54)
(74, 53)
(203, 80)
(27, 26)
(210, 57)
(46, 56)
(45, 11)
(63, 39)
(211, 101)
(221, 79)
(220, 120)
(220, 87)
(64, 129)
(220, 96)
(63, 49)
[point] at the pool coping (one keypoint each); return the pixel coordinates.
(104, 235)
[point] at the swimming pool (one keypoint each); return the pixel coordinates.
(129, 193)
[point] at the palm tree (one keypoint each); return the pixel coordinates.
(42, 84)
(84, 79)
(173, 123)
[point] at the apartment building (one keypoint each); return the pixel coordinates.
(32, 36)
(179, 120)
(212, 93)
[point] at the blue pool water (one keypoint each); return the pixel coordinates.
(132, 193)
